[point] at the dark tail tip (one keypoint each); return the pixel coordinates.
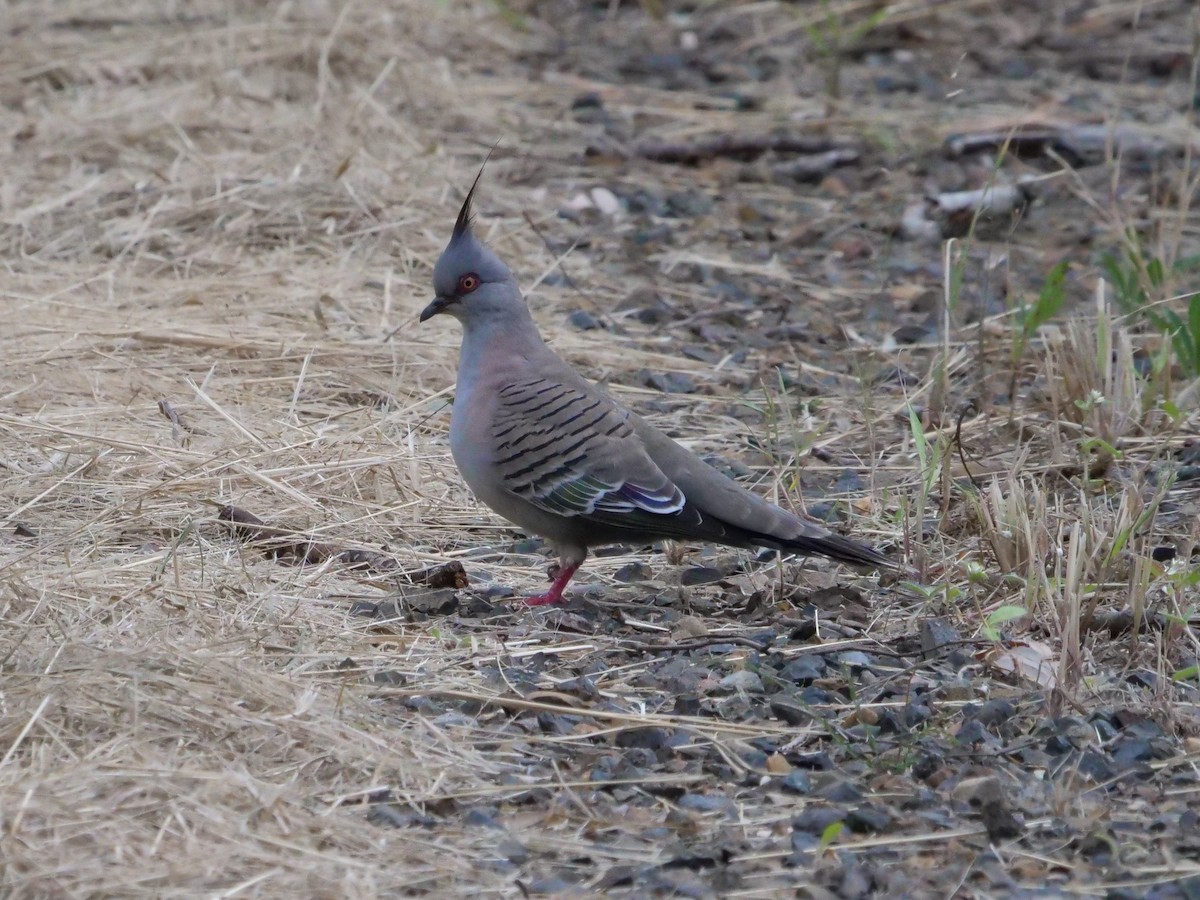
(841, 549)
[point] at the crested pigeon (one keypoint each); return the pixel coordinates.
(558, 457)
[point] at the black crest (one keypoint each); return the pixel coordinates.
(463, 223)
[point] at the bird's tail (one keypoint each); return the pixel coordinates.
(835, 547)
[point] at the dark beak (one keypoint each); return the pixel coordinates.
(437, 305)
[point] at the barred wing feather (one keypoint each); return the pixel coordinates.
(571, 451)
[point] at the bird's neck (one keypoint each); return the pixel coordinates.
(512, 338)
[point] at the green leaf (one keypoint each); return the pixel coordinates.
(829, 835)
(1194, 332)
(1048, 303)
(1184, 343)
(1008, 613)
(918, 433)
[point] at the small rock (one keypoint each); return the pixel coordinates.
(700, 575)
(790, 713)
(818, 761)
(862, 715)
(797, 782)
(705, 803)
(777, 764)
(689, 627)
(605, 201)
(551, 884)
(730, 467)
(389, 678)
(915, 713)
(803, 669)
(1094, 766)
(840, 791)
(687, 706)
(986, 794)
(667, 382)
(935, 634)
(583, 686)
(527, 545)
(979, 790)
(912, 334)
(868, 819)
(588, 100)
(804, 841)
(481, 817)
(1130, 751)
(583, 320)
(854, 660)
(993, 712)
(688, 204)
(855, 883)
(1000, 822)
(389, 814)
(617, 876)
(633, 572)
(514, 851)
(972, 733)
(423, 705)
(754, 759)
(649, 738)
(549, 723)
(743, 681)
(815, 819)
(636, 762)
(442, 602)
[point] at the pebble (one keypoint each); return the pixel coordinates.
(700, 575)
(797, 782)
(481, 817)
(815, 819)
(705, 803)
(743, 680)
(649, 738)
(803, 670)
(633, 572)
(840, 791)
(855, 660)
(667, 382)
(868, 819)
(388, 814)
(583, 320)
(991, 712)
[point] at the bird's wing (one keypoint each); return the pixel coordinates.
(570, 450)
(747, 517)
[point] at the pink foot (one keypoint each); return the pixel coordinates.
(547, 599)
(554, 597)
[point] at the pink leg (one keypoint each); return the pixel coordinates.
(554, 596)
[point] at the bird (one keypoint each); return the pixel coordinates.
(559, 457)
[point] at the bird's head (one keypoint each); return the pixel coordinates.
(469, 280)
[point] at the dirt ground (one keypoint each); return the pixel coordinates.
(256, 637)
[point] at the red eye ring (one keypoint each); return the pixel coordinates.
(468, 283)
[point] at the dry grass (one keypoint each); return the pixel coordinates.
(215, 210)
(228, 208)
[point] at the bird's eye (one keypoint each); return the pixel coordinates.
(468, 283)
